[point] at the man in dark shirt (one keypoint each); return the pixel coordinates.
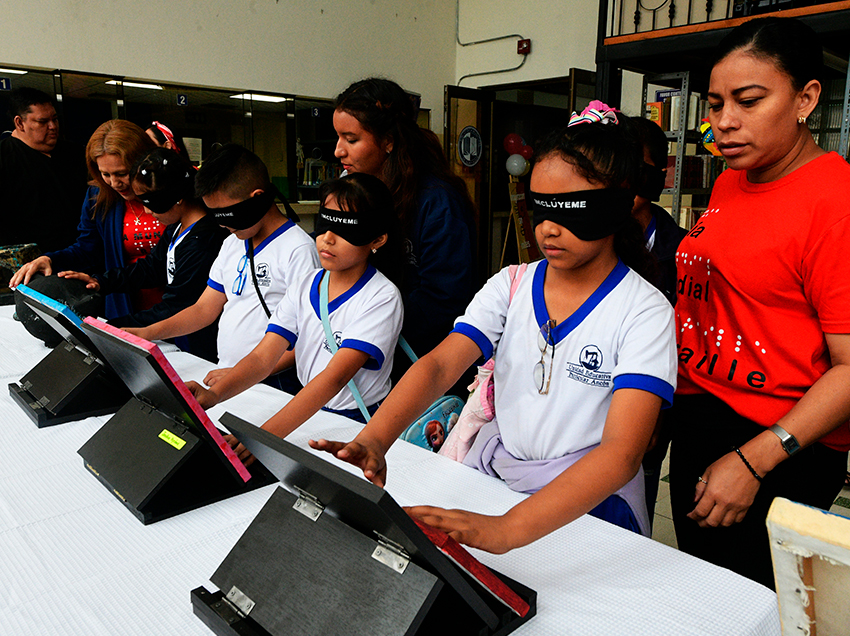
(41, 187)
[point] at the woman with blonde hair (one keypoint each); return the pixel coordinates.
(115, 229)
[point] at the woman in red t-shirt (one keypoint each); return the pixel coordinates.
(763, 311)
(115, 229)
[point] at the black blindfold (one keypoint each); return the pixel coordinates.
(589, 214)
(357, 229)
(242, 215)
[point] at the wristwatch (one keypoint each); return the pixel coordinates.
(788, 441)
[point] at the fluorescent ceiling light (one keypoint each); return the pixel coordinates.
(155, 87)
(260, 98)
(12, 71)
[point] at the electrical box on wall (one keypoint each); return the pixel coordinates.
(523, 47)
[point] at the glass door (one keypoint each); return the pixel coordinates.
(467, 140)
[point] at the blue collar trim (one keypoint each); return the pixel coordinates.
(283, 228)
(337, 302)
(541, 313)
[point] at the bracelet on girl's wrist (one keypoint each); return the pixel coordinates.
(748, 465)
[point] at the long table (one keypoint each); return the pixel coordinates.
(74, 561)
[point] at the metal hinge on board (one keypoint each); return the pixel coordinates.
(391, 554)
(239, 601)
(308, 505)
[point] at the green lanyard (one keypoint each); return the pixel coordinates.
(329, 336)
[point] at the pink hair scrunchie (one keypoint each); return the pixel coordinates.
(169, 136)
(596, 111)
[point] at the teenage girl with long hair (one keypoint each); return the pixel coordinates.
(375, 121)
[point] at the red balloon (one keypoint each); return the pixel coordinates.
(526, 152)
(513, 143)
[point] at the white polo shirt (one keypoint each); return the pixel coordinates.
(367, 317)
(623, 336)
(284, 257)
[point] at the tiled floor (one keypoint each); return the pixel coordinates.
(662, 525)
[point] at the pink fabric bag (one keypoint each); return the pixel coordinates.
(479, 408)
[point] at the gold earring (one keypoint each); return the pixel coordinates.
(801, 120)
(374, 250)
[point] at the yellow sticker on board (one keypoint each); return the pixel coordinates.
(171, 438)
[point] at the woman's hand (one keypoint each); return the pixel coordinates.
(90, 281)
(477, 531)
(727, 496)
(215, 375)
(42, 264)
(207, 399)
(365, 454)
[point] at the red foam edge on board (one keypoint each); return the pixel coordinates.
(457, 553)
(184, 391)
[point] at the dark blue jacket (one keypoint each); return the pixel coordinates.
(99, 247)
(668, 235)
(440, 272)
(194, 254)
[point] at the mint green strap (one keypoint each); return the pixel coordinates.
(407, 348)
(323, 311)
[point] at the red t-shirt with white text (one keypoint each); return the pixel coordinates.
(761, 277)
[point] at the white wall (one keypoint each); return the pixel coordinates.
(562, 33)
(313, 48)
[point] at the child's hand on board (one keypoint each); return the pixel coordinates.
(241, 452)
(215, 375)
(477, 531)
(207, 399)
(367, 455)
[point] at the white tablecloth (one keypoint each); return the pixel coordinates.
(74, 561)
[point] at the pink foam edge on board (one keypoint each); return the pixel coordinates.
(181, 387)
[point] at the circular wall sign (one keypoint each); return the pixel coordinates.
(469, 146)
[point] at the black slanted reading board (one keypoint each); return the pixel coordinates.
(73, 381)
(160, 454)
(336, 554)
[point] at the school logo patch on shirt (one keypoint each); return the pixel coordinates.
(586, 370)
(264, 278)
(337, 338)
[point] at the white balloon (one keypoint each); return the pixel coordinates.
(516, 164)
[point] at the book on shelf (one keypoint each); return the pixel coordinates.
(666, 110)
(698, 171)
(675, 112)
(688, 216)
(694, 111)
(663, 94)
(655, 112)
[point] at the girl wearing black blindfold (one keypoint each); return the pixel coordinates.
(356, 236)
(586, 356)
(180, 262)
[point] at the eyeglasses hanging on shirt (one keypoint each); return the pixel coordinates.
(546, 344)
(242, 276)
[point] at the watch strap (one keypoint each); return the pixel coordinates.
(788, 441)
